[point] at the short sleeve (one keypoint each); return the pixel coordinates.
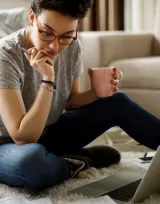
(9, 76)
(79, 67)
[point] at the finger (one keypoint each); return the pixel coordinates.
(115, 69)
(33, 53)
(40, 54)
(27, 56)
(115, 88)
(30, 49)
(115, 82)
(26, 51)
(44, 52)
(90, 71)
(47, 60)
(50, 62)
(115, 75)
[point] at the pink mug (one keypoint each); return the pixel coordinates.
(102, 81)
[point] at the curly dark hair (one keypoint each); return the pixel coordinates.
(74, 8)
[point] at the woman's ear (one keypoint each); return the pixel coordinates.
(31, 17)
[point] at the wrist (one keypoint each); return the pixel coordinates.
(50, 83)
(48, 78)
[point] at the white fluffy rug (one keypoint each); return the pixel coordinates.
(60, 195)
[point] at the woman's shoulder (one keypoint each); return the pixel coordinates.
(9, 45)
(76, 45)
(74, 50)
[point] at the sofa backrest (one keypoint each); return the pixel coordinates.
(12, 20)
(101, 48)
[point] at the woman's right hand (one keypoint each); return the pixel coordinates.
(42, 63)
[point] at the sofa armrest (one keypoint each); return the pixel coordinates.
(156, 46)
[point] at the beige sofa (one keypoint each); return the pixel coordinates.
(137, 55)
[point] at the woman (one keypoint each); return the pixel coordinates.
(39, 140)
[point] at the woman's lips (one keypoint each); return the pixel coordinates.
(51, 52)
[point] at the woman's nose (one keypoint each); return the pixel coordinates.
(54, 45)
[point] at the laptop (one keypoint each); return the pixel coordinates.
(126, 187)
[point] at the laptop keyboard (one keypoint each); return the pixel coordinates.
(124, 193)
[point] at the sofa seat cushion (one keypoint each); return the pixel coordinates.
(139, 72)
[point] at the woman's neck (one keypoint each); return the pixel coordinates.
(28, 37)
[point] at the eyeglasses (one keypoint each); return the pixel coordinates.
(49, 36)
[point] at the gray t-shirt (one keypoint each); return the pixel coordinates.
(16, 72)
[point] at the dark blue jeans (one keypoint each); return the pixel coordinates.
(40, 165)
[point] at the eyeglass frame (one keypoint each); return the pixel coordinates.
(54, 35)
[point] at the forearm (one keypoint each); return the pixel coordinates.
(33, 123)
(81, 99)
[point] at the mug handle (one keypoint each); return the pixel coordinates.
(120, 76)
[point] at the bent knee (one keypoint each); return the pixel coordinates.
(32, 166)
(121, 96)
(30, 150)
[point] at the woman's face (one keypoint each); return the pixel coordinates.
(46, 25)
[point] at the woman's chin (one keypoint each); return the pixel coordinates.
(52, 54)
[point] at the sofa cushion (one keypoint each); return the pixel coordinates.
(12, 20)
(120, 45)
(140, 72)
